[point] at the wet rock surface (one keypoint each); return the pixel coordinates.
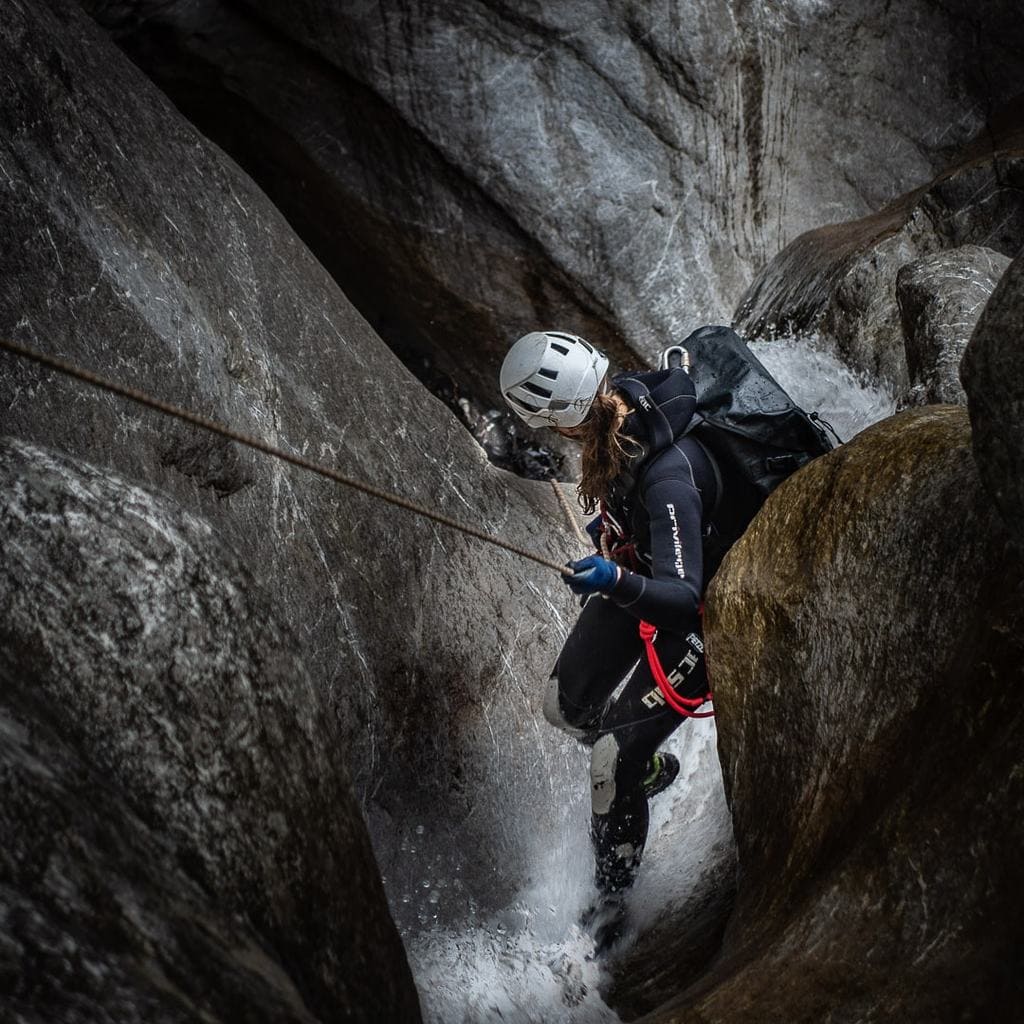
(438, 265)
(941, 298)
(862, 317)
(662, 170)
(623, 170)
(993, 377)
(669, 956)
(840, 280)
(137, 249)
(866, 635)
(181, 839)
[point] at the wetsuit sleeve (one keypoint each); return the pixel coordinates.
(671, 597)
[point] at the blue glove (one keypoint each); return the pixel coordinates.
(592, 575)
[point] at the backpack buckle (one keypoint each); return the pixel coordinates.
(784, 463)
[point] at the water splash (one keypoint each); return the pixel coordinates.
(531, 962)
(819, 381)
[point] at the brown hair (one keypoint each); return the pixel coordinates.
(605, 450)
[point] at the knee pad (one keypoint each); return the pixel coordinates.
(554, 712)
(553, 706)
(604, 759)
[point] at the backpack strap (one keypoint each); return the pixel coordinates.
(719, 486)
(788, 463)
(690, 431)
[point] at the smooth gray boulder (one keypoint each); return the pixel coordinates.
(993, 378)
(862, 317)
(619, 169)
(867, 637)
(181, 839)
(940, 299)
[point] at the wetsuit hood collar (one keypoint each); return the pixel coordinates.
(663, 401)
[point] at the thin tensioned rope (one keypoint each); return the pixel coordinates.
(204, 423)
(573, 520)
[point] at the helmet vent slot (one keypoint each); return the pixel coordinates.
(550, 378)
(523, 404)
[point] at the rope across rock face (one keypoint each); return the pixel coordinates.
(569, 515)
(204, 423)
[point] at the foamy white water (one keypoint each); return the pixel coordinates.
(530, 962)
(819, 382)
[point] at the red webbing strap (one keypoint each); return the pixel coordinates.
(684, 705)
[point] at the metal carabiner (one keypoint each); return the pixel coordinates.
(675, 356)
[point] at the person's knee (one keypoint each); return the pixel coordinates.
(616, 772)
(553, 704)
(559, 712)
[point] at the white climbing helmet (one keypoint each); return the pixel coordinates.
(550, 379)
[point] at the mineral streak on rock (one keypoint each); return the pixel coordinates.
(941, 298)
(867, 636)
(623, 169)
(181, 839)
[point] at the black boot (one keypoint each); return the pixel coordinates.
(605, 921)
(662, 770)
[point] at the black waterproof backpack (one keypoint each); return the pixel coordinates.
(754, 432)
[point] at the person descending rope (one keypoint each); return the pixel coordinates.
(678, 467)
(655, 488)
(677, 480)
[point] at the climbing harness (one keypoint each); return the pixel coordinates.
(624, 553)
(623, 550)
(686, 706)
(134, 395)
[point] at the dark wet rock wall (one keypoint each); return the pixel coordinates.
(425, 253)
(941, 297)
(866, 636)
(993, 377)
(136, 248)
(621, 170)
(181, 839)
(839, 281)
(664, 154)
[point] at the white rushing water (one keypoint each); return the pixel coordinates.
(819, 382)
(531, 962)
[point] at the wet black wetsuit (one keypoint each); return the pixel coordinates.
(664, 499)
